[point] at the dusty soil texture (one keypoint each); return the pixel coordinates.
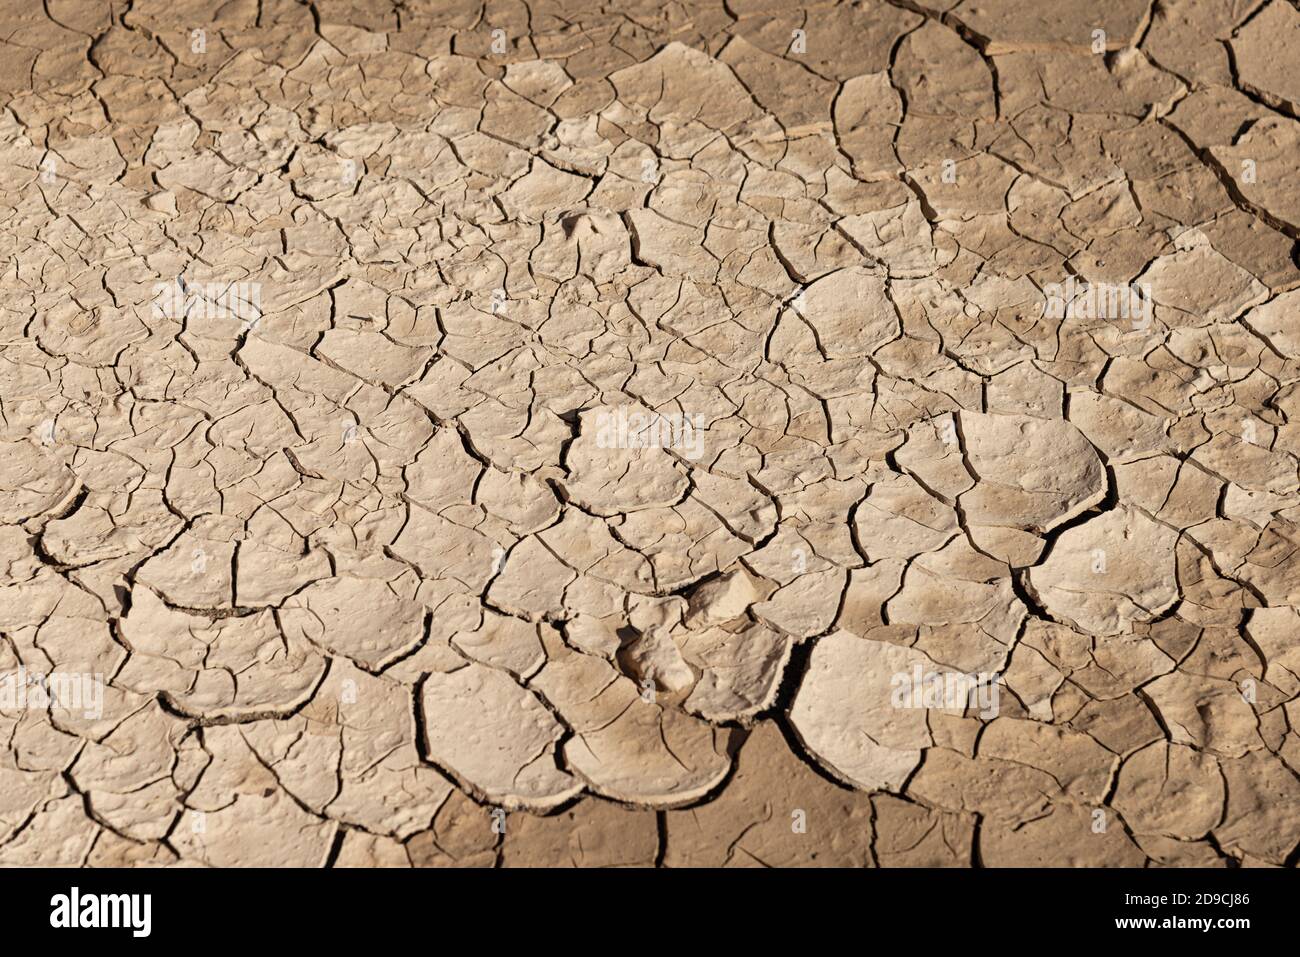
(650, 433)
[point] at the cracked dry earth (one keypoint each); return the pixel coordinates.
(365, 576)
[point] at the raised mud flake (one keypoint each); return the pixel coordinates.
(361, 727)
(1186, 37)
(238, 815)
(940, 74)
(443, 549)
(1262, 817)
(1198, 285)
(964, 605)
(1109, 572)
(1272, 321)
(850, 312)
(1261, 49)
(1024, 389)
(32, 481)
(1120, 430)
(372, 356)
(1080, 767)
(1105, 668)
(1269, 145)
(24, 792)
(843, 713)
(496, 736)
(798, 98)
(805, 606)
(1000, 791)
(266, 574)
(1033, 473)
(1208, 713)
(1120, 725)
(900, 519)
(211, 668)
(932, 454)
(1272, 631)
(126, 777)
(650, 755)
(544, 189)
(1171, 790)
(533, 581)
(363, 619)
(99, 531)
(680, 83)
(630, 743)
(360, 849)
(503, 642)
(58, 834)
(866, 108)
(899, 235)
(721, 599)
(1252, 467)
(682, 543)
(193, 572)
(618, 464)
(740, 670)
(1010, 25)
(653, 658)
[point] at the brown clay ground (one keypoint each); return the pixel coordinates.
(544, 433)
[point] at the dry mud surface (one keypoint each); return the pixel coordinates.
(649, 433)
